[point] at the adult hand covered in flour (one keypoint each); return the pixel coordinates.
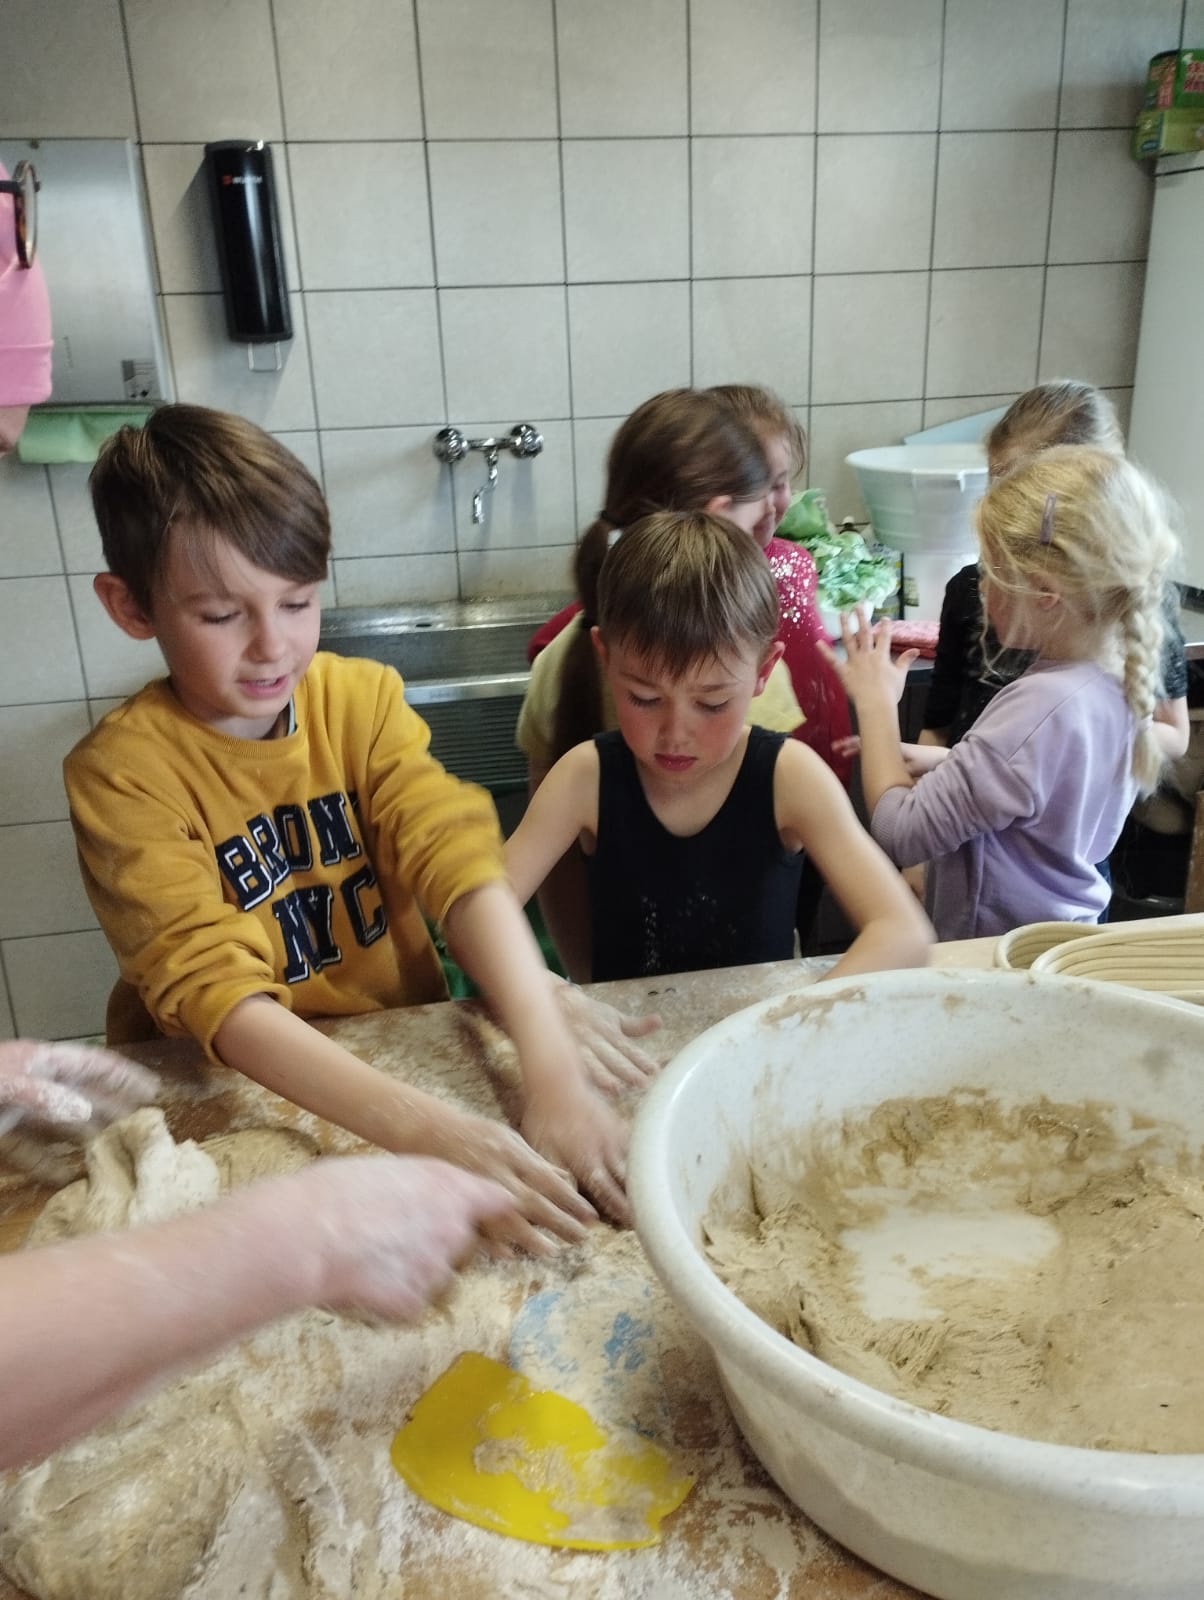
(391, 1232)
(68, 1083)
(606, 1038)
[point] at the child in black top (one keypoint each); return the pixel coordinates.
(694, 823)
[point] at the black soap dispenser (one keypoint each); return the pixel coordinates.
(249, 247)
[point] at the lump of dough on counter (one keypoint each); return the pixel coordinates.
(136, 1173)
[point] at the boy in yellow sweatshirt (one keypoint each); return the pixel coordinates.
(260, 831)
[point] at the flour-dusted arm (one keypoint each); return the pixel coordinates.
(90, 1325)
(559, 813)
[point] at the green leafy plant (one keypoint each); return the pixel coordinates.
(849, 569)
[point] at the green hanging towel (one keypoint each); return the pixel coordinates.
(57, 434)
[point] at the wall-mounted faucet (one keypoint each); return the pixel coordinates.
(451, 446)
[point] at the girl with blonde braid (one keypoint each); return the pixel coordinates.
(970, 666)
(1075, 550)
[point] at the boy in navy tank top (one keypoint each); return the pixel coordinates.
(694, 825)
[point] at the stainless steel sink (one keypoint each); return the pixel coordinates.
(465, 669)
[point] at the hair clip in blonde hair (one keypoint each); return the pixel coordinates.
(613, 537)
(1047, 518)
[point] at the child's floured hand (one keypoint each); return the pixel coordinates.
(543, 1196)
(868, 668)
(579, 1131)
(605, 1038)
(394, 1230)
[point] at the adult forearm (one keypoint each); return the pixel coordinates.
(91, 1324)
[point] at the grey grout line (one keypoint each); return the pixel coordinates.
(644, 138)
(936, 193)
(434, 286)
(564, 245)
(702, 277)
(79, 643)
(58, 527)
(300, 291)
(814, 234)
(692, 362)
(129, 67)
(7, 988)
(140, 149)
(1053, 184)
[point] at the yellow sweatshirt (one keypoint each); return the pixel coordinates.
(296, 867)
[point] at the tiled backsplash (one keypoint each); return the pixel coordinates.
(893, 211)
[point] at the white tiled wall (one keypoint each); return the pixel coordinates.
(893, 211)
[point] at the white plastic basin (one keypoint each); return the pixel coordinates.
(960, 1512)
(920, 496)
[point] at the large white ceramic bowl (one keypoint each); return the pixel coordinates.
(958, 1511)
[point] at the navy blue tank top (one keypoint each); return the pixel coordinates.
(721, 898)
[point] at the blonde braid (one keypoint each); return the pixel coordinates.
(1142, 634)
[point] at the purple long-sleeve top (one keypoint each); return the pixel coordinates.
(1014, 821)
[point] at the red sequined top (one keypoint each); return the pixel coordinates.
(816, 687)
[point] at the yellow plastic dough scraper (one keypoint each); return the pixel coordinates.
(484, 1445)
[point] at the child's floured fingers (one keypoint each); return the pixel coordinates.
(614, 1070)
(567, 1214)
(506, 1238)
(649, 1066)
(605, 1187)
(641, 1027)
(606, 1182)
(487, 1197)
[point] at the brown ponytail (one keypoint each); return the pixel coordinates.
(676, 452)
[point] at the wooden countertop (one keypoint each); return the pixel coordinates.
(770, 1551)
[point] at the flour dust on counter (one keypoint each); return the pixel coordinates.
(266, 1474)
